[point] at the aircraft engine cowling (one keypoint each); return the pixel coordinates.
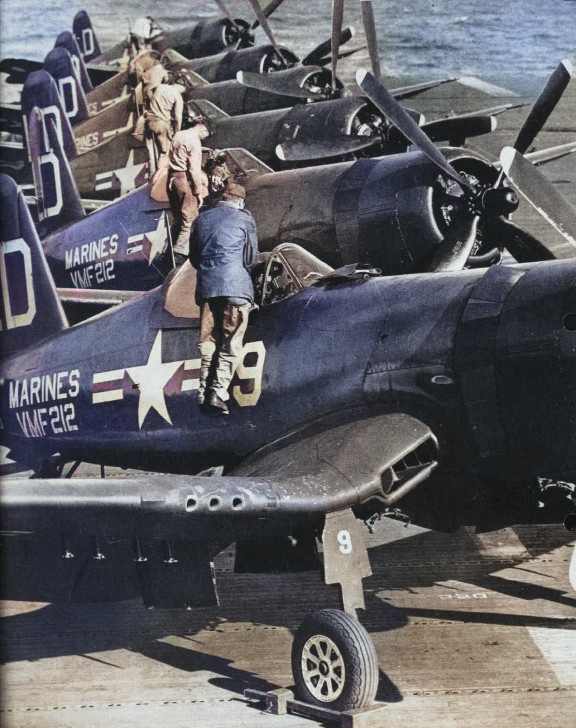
(316, 123)
(394, 211)
(391, 211)
(213, 36)
(235, 98)
(225, 66)
(206, 38)
(518, 375)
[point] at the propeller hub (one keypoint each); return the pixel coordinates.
(500, 200)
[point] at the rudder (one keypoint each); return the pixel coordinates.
(59, 65)
(57, 195)
(40, 91)
(30, 309)
(85, 36)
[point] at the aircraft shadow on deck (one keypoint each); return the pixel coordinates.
(72, 629)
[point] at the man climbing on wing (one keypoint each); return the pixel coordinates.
(223, 249)
(187, 184)
(163, 107)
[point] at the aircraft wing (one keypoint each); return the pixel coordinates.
(545, 155)
(154, 536)
(382, 456)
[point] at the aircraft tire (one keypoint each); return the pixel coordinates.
(334, 662)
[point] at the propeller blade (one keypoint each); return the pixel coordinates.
(268, 9)
(455, 249)
(370, 32)
(342, 54)
(264, 23)
(223, 9)
(276, 83)
(543, 197)
(299, 151)
(521, 244)
(543, 106)
(325, 47)
(337, 19)
(378, 94)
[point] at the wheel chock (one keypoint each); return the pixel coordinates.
(281, 701)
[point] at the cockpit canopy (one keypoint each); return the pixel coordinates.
(283, 272)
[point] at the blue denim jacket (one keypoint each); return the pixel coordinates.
(223, 247)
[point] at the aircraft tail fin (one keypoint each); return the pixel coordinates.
(40, 91)
(57, 195)
(30, 309)
(68, 41)
(59, 65)
(85, 36)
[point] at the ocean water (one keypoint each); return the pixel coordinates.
(515, 43)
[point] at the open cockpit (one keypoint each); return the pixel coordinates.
(284, 271)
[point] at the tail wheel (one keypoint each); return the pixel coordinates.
(334, 662)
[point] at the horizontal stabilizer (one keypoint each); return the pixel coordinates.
(18, 69)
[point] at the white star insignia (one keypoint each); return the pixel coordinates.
(157, 238)
(127, 175)
(4, 459)
(151, 378)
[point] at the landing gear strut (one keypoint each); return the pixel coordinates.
(334, 661)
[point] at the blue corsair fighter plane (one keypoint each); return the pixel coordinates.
(403, 213)
(440, 397)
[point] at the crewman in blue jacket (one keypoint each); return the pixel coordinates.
(223, 249)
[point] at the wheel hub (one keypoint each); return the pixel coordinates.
(323, 668)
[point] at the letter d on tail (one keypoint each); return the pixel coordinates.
(30, 308)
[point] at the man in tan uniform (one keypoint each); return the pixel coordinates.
(187, 183)
(163, 106)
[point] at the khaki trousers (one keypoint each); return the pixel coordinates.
(184, 206)
(222, 329)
